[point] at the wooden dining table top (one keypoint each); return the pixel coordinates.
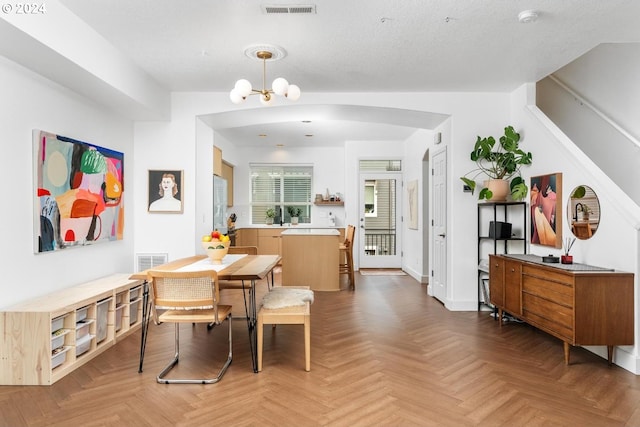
(249, 267)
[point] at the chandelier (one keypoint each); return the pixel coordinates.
(280, 86)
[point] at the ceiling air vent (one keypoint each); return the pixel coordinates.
(294, 9)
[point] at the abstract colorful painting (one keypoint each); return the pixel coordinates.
(79, 193)
(546, 210)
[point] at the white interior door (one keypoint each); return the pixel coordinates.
(438, 280)
(379, 228)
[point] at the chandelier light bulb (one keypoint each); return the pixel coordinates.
(235, 97)
(243, 87)
(280, 86)
(293, 94)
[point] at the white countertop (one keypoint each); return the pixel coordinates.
(289, 226)
(311, 232)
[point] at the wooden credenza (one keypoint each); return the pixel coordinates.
(581, 305)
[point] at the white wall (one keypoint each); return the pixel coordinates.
(617, 64)
(32, 102)
(414, 248)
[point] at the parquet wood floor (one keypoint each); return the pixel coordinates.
(384, 355)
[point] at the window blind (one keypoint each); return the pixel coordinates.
(278, 187)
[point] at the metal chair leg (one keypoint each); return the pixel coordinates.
(161, 377)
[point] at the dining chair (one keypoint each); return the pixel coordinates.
(346, 255)
(188, 297)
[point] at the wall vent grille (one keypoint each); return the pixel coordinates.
(294, 9)
(147, 261)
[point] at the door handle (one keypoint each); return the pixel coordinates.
(442, 235)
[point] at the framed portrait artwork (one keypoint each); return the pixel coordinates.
(165, 191)
(546, 210)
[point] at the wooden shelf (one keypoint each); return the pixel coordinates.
(113, 306)
(340, 203)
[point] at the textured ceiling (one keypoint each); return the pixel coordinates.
(359, 45)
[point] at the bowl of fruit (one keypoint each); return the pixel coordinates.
(216, 245)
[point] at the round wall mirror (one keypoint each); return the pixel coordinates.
(583, 212)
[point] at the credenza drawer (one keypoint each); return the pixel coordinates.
(547, 274)
(544, 309)
(556, 329)
(558, 293)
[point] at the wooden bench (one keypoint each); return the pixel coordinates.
(294, 315)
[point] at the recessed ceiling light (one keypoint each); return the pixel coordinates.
(528, 16)
(279, 145)
(262, 135)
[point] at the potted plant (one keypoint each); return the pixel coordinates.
(582, 212)
(270, 214)
(294, 213)
(501, 164)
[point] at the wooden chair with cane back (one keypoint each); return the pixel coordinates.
(188, 297)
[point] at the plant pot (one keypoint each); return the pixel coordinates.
(268, 221)
(294, 220)
(499, 188)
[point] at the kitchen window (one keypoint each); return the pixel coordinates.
(278, 187)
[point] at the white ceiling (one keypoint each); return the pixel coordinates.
(356, 46)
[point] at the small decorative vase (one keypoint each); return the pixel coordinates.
(566, 259)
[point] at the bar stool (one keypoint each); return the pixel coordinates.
(346, 255)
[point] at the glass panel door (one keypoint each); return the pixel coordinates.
(380, 218)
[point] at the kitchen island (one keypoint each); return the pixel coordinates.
(310, 257)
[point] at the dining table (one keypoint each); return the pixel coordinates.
(238, 267)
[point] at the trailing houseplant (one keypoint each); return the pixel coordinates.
(500, 161)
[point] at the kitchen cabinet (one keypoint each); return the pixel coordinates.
(269, 241)
(247, 237)
(227, 173)
(577, 303)
(217, 161)
(310, 257)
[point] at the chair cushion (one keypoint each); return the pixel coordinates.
(286, 297)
